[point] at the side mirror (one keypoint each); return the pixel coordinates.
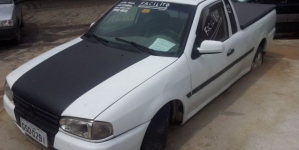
(211, 47)
(19, 1)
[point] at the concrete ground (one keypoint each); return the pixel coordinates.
(260, 111)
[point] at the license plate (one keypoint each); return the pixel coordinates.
(34, 132)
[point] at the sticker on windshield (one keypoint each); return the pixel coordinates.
(145, 11)
(162, 45)
(155, 5)
(123, 6)
(229, 10)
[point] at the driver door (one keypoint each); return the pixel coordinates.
(211, 72)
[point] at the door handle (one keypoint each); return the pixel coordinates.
(230, 52)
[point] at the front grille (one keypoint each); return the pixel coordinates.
(42, 119)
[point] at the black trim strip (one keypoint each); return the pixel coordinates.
(231, 15)
(218, 74)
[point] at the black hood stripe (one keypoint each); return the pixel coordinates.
(58, 81)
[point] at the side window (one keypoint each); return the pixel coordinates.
(231, 16)
(214, 24)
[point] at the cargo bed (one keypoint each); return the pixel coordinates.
(248, 13)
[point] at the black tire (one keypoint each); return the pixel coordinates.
(258, 58)
(18, 36)
(155, 137)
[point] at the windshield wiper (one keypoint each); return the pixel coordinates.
(137, 46)
(102, 40)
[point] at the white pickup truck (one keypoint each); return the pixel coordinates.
(141, 66)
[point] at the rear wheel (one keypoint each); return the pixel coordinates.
(258, 59)
(155, 137)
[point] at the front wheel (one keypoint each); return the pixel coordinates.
(258, 59)
(155, 137)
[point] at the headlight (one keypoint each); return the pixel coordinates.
(92, 130)
(8, 91)
(6, 23)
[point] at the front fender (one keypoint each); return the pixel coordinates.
(143, 102)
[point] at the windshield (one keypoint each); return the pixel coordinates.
(158, 26)
(5, 1)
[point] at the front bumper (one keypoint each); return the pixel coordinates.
(7, 33)
(130, 140)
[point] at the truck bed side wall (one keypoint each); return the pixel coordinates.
(252, 36)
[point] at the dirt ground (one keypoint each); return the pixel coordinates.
(260, 111)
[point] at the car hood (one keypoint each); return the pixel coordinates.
(6, 11)
(84, 79)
